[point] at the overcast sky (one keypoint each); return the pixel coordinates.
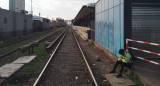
(66, 9)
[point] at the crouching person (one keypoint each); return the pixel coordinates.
(124, 61)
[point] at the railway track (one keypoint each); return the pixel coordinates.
(29, 45)
(67, 65)
(41, 40)
(23, 39)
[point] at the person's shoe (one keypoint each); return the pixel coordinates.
(119, 75)
(112, 71)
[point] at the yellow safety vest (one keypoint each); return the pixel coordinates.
(126, 57)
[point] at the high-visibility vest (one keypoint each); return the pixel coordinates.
(126, 58)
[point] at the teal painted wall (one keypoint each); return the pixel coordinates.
(109, 27)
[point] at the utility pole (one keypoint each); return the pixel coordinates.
(39, 14)
(31, 8)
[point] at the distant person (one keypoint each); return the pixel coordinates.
(124, 60)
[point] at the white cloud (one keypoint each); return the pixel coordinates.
(66, 9)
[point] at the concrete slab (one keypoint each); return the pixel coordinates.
(9, 69)
(123, 81)
(24, 60)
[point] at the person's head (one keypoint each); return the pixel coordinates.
(121, 52)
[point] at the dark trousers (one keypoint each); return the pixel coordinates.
(122, 65)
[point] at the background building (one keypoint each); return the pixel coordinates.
(14, 24)
(17, 5)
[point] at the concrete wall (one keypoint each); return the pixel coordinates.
(41, 26)
(6, 23)
(52, 24)
(46, 24)
(37, 26)
(13, 23)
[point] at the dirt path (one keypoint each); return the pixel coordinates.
(99, 68)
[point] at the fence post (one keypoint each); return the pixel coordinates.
(29, 51)
(1, 35)
(126, 44)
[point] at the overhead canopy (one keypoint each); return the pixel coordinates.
(85, 10)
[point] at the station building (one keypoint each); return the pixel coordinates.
(86, 18)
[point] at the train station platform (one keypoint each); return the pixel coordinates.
(82, 31)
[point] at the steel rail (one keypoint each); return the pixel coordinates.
(48, 47)
(90, 71)
(39, 40)
(39, 77)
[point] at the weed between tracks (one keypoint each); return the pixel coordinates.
(12, 57)
(24, 42)
(91, 44)
(29, 72)
(79, 37)
(22, 37)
